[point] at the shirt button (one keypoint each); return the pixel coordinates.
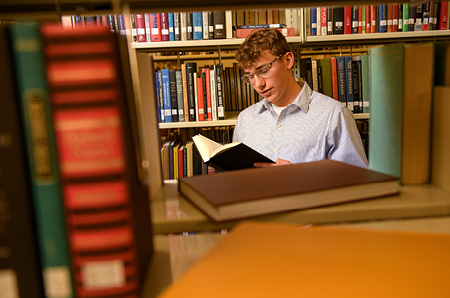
(279, 124)
(275, 150)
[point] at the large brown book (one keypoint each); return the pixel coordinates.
(268, 260)
(250, 192)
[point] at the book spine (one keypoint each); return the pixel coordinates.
(205, 24)
(220, 93)
(329, 13)
(166, 95)
(212, 80)
(165, 36)
(341, 79)
(177, 26)
(338, 20)
(197, 25)
(219, 24)
(382, 18)
(189, 25)
(140, 27)
(180, 100)
(365, 83)
(443, 15)
(355, 16)
(349, 82)
(313, 20)
(347, 19)
(191, 68)
(334, 79)
(356, 75)
(148, 30)
(183, 25)
(155, 26)
(185, 92)
(200, 101)
(173, 95)
(20, 271)
(132, 23)
(210, 25)
(171, 26)
(106, 206)
(405, 27)
(41, 151)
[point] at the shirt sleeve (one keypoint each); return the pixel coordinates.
(347, 145)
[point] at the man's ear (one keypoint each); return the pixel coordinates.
(289, 56)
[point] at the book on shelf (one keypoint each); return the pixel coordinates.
(105, 203)
(228, 157)
(219, 20)
(165, 36)
(173, 95)
(263, 259)
(155, 26)
(20, 269)
(33, 97)
(400, 122)
(243, 193)
(140, 27)
(197, 25)
(243, 33)
(260, 26)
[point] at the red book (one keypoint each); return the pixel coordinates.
(243, 33)
(164, 26)
(200, 102)
(180, 162)
(208, 92)
(368, 19)
(374, 18)
(140, 27)
(360, 20)
(443, 15)
(155, 26)
(106, 204)
(323, 21)
(347, 20)
(395, 18)
(334, 80)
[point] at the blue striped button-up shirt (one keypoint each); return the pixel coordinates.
(313, 127)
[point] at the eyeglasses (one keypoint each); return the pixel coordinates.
(262, 73)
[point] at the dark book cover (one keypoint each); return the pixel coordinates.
(19, 260)
(191, 68)
(342, 93)
(173, 94)
(219, 24)
(338, 20)
(348, 69)
(356, 73)
(189, 25)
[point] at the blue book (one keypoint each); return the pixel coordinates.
(348, 69)
(197, 25)
(180, 98)
(382, 18)
(121, 25)
(158, 104)
(313, 18)
(165, 77)
(355, 16)
(171, 27)
(342, 93)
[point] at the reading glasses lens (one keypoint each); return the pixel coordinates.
(262, 73)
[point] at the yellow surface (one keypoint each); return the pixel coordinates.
(280, 260)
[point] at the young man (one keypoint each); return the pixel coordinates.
(292, 124)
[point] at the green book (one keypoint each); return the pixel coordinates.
(405, 27)
(325, 63)
(42, 160)
(385, 125)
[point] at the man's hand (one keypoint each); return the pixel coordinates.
(278, 162)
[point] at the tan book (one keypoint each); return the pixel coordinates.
(251, 192)
(266, 260)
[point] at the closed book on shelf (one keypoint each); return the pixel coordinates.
(167, 101)
(197, 25)
(173, 94)
(164, 26)
(400, 118)
(325, 64)
(106, 204)
(179, 92)
(170, 16)
(348, 71)
(191, 69)
(265, 260)
(140, 27)
(241, 194)
(219, 24)
(342, 95)
(33, 96)
(155, 26)
(338, 20)
(365, 83)
(20, 271)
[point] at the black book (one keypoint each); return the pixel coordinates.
(232, 156)
(19, 260)
(173, 94)
(219, 24)
(338, 20)
(191, 68)
(189, 25)
(357, 99)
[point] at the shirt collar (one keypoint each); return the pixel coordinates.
(302, 100)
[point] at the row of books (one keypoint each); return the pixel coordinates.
(181, 158)
(201, 93)
(360, 19)
(75, 215)
(343, 78)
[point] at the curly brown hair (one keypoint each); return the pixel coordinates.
(257, 42)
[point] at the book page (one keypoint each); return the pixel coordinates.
(209, 148)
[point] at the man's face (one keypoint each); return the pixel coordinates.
(272, 83)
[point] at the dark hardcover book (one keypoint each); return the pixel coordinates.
(338, 20)
(306, 70)
(342, 93)
(356, 74)
(348, 69)
(180, 99)
(412, 17)
(240, 194)
(210, 24)
(171, 26)
(33, 96)
(319, 77)
(189, 25)
(418, 18)
(106, 203)
(167, 100)
(382, 18)
(329, 21)
(158, 103)
(219, 24)
(165, 36)
(313, 21)
(232, 156)
(218, 70)
(19, 262)
(355, 17)
(191, 68)
(140, 27)
(155, 26)
(261, 26)
(177, 26)
(173, 94)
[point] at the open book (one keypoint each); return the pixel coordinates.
(232, 156)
